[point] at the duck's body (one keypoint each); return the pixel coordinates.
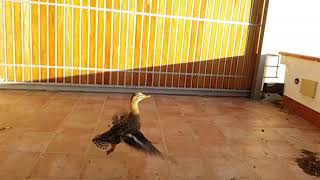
(126, 128)
(120, 128)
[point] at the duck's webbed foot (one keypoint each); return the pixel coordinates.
(113, 146)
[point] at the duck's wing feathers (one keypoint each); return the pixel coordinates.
(112, 136)
(118, 117)
(137, 141)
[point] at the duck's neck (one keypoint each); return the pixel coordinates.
(134, 108)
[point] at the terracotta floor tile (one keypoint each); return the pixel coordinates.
(39, 121)
(67, 95)
(217, 150)
(112, 166)
(4, 92)
(153, 134)
(140, 167)
(238, 134)
(90, 105)
(274, 169)
(76, 126)
(26, 141)
(116, 106)
(33, 100)
(188, 168)
(17, 163)
(58, 166)
(94, 96)
(282, 149)
(60, 105)
(200, 137)
(229, 168)
(10, 176)
(48, 94)
(178, 132)
(69, 142)
(183, 147)
(118, 96)
(79, 122)
(258, 150)
(10, 99)
(51, 178)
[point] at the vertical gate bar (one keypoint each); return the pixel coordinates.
(96, 44)
(155, 43)
(30, 43)
(241, 39)
(175, 43)
(195, 45)
(80, 42)
(64, 41)
(72, 41)
(134, 41)
(221, 44)
(104, 42)
(162, 42)
(208, 46)
(228, 44)
(47, 39)
(13, 43)
(189, 42)
(202, 42)
(234, 42)
(111, 47)
(169, 44)
(215, 45)
(141, 37)
(182, 48)
(252, 44)
(5, 40)
(119, 42)
(56, 41)
(39, 44)
(127, 43)
(22, 37)
(148, 44)
(88, 40)
(248, 38)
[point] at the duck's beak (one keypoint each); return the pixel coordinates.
(146, 96)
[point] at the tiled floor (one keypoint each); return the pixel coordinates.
(202, 137)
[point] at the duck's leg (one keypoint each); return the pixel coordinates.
(113, 146)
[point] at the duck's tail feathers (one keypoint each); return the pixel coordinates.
(139, 142)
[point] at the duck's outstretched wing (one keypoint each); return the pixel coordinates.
(117, 117)
(137, 141)
(112, 136)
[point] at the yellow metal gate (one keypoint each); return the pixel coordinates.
(210, 45)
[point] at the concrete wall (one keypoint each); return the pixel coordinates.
(299, 68)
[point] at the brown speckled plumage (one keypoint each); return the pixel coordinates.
(126, 128)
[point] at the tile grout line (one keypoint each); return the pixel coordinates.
(25, 95)
(54, 135)
(94, 131)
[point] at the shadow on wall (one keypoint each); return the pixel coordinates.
(227, 73)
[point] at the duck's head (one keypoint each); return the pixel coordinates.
(137, 97)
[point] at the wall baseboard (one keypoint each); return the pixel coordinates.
(302, 110)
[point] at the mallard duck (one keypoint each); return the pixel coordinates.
(126, 129)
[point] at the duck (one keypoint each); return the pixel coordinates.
(126, 129)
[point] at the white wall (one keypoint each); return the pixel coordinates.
(298, 68)
(293, 26)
